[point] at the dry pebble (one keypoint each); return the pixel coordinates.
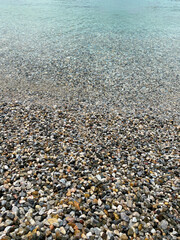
(70, 173)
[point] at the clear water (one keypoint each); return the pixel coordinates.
(122, 47)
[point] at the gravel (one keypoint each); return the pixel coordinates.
(71, 172)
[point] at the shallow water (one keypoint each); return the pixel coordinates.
(127, 50)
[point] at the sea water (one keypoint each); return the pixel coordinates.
(122, 47)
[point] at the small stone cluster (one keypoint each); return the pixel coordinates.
(68, 173)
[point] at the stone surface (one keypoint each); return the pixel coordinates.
(78, 174)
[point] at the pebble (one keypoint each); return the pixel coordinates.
(8, 222)
(80, 174)
(130, 232)
(124, 217)
(79, 225)
(134, 219)
(164, 224)
(99, 202)
(119, 208)
(10, 215)
(124, 237)
(62, 230)
(88, 235)
(15, 210)
(97, 231)
(153, 231)
(129, 203)
(98, 177)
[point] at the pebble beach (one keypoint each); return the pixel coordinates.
(70, 173)
(89, 120)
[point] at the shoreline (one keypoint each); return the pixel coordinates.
(163, 107)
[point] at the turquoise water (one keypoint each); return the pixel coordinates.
(117, 45)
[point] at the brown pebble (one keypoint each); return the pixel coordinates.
(51, 227)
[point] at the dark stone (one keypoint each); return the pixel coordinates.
(8, 206)
(10, 215)
(104, 236)
(124, 229)
(42, 236)
(31, 202)
(116, 222)
(2, 228)
(4, 215)
(107, 207)
(34, 236)
(160, 217)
